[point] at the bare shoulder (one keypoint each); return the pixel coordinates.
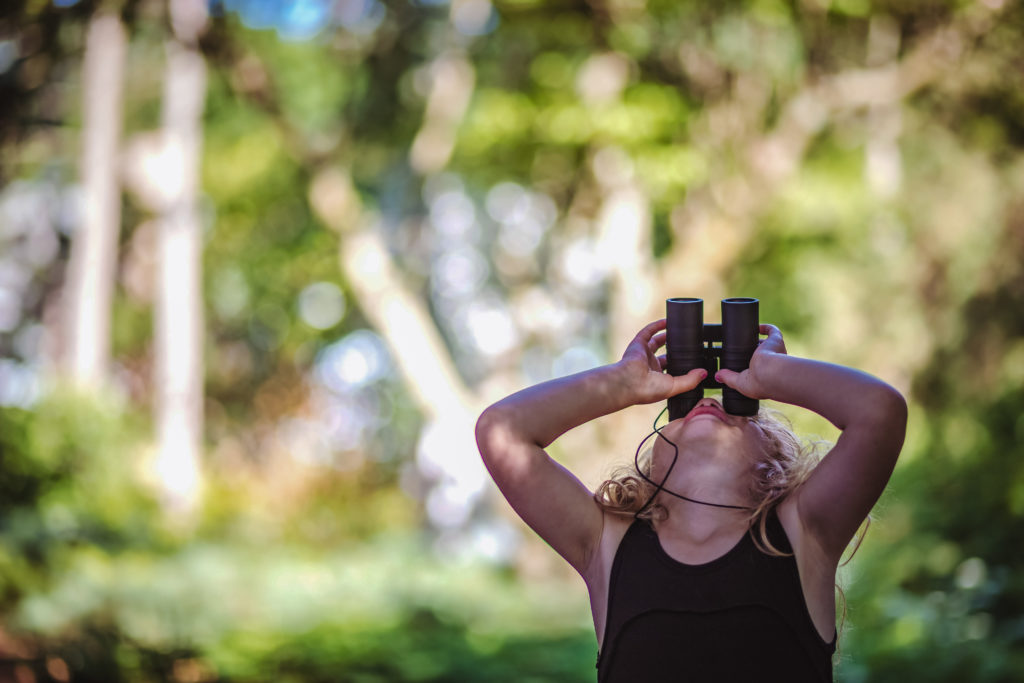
(816, 566)
(806, 548)
(615, 527)
(598, 573)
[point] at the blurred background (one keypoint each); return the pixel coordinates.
(263, 263)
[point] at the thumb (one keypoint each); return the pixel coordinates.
(729, 378)
(742, 382)
(688, 381)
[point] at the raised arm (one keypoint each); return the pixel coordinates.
(513, 433)
(872, 415)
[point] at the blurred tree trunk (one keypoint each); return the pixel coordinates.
(90, 279)
(635, 298)
(178, 319)
(447, 450)
(452, 81)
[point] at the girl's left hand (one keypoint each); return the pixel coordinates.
(752, 382)
(642, 369)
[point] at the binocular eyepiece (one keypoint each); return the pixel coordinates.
(690, 344)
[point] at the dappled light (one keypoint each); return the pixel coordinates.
(263, 264)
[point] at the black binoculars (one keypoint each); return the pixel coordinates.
(691, 344)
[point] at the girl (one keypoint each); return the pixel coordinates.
(725, 571)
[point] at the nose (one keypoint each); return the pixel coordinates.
(708, 401)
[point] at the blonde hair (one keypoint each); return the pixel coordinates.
(788, 462)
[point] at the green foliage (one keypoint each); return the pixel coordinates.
(234, 610)
(323, 574)
(63, 486)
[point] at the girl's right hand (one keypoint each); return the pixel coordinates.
(754, 382)
(642, 369)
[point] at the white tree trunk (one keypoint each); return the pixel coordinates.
(178, 319)
(90, 279)
(447, 451)
(452, 81)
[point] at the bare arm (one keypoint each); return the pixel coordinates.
(513, 433)
(872, 415)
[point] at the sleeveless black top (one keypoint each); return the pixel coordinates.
(741, 617)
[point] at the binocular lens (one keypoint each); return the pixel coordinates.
(690, 344)
(684, 349)
(685, 340)
(739, 341)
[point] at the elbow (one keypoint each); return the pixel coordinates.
(484, 424)
(492, 433)
(894, 405)
(879, 402)
(500, 446)
(902, 405)
(888, 415)
(879, 407)
(901, 414)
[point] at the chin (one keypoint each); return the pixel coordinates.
(704, 422)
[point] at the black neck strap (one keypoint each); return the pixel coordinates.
(661, 486)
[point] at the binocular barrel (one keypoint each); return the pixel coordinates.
(690, 344)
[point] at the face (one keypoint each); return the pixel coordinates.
(737, 438)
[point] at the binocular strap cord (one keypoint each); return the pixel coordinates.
(661, 486)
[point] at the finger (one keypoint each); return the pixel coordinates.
(729, 378)
(657, 341)
(742, 382)
(639, 343)
(650, 329)
(663, 361)
(688, 381)
(774, 340)
(773, 333)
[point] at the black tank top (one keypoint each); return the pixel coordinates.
(741, 617)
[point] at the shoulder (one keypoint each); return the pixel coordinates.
(803, 543)
(612, 533)
(599, 570)
(816, 567)
(816, 564)
(597, 574)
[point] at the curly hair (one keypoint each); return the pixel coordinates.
(788, 462)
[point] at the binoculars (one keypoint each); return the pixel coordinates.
(691, 344)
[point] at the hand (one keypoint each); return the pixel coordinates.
(643, 371)
(751, 382)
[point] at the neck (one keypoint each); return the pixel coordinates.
(708, 486)
(697, 524)
(701, 478)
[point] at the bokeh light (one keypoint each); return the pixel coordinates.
(397, 214)
(358, 359)
(322, 305)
